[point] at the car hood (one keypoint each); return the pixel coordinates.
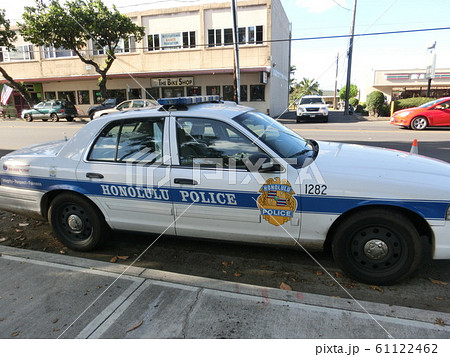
(407, 110)
(371, 171)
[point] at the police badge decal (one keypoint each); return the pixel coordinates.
(276, 201)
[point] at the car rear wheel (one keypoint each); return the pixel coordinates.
(54, 117)
(76, 222)
(28, 117)
(419, 123)
(377, 247)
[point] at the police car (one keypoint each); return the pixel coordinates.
(224, 171)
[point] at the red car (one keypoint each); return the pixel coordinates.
(434, 113)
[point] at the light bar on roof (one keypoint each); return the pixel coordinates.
(189, 100)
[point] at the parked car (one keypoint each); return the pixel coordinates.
(224, 171)
(106, 104)
(434, 113)
(127, 105)
(311, 107)
(52, 109)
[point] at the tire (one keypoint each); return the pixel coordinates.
(419, 123)
(69, 119)
(54, 117)
(325, 119)
(91, 115)
(28, 117)
(76, 222)
(298, 119)
(377, 246)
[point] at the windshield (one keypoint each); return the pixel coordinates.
(286, 143)
(311, 101)
(109, 101)
(429, 104)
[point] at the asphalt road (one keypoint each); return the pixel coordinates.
(260, 265)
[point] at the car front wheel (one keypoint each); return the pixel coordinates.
(28, 117)
(377, 247)
(419, 123)
(54, 117)
(76, 222)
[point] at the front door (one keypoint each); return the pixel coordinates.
(125, 172)
(216, 196)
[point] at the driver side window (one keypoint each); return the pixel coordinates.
(210, 143)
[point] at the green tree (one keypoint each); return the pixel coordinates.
(292, 82)
(353, 91)
(72, 25)
(375, 102)
(7, 39)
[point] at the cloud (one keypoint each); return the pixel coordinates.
(319, 6)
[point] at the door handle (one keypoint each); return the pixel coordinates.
(183, 181)
(94, 175)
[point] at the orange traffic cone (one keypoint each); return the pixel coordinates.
(414, 147)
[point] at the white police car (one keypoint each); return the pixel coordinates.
(223, 171)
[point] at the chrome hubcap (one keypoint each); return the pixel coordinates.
(375, 249)
(75, 223)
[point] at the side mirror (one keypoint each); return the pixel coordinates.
(261, 163)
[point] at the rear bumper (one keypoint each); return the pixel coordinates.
(27, 202)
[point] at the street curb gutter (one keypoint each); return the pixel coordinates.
(266, 293)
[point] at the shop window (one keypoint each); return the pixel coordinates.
(112, 93)
(67, 95)
(212, 90)
(134, 93)
(83, 97)
(173, 92)
(152, 93)
(228, 92)
(49, 95)
(257, 93)
(193, 91)
(244, 95)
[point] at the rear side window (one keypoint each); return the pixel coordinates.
(137, 141)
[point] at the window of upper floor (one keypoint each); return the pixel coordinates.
(21, 53)
(251, 35)
(56, 52)
(171, 41)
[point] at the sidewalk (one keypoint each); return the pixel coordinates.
(45, 295)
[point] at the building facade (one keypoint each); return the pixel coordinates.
(186, 51)
(407, 83)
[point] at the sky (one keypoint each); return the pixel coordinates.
(316, 59)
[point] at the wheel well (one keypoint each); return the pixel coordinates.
(50, 196)
(422, 226)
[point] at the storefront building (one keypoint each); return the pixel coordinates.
(186, 51)
(408, 83)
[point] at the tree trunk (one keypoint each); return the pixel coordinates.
(17, 86)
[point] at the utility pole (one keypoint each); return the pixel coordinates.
(349, 65)
(431, 68)
(236, 70)
(335, 82)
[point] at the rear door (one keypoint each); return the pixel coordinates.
(125, 172)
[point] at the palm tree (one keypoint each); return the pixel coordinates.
(308, 87)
